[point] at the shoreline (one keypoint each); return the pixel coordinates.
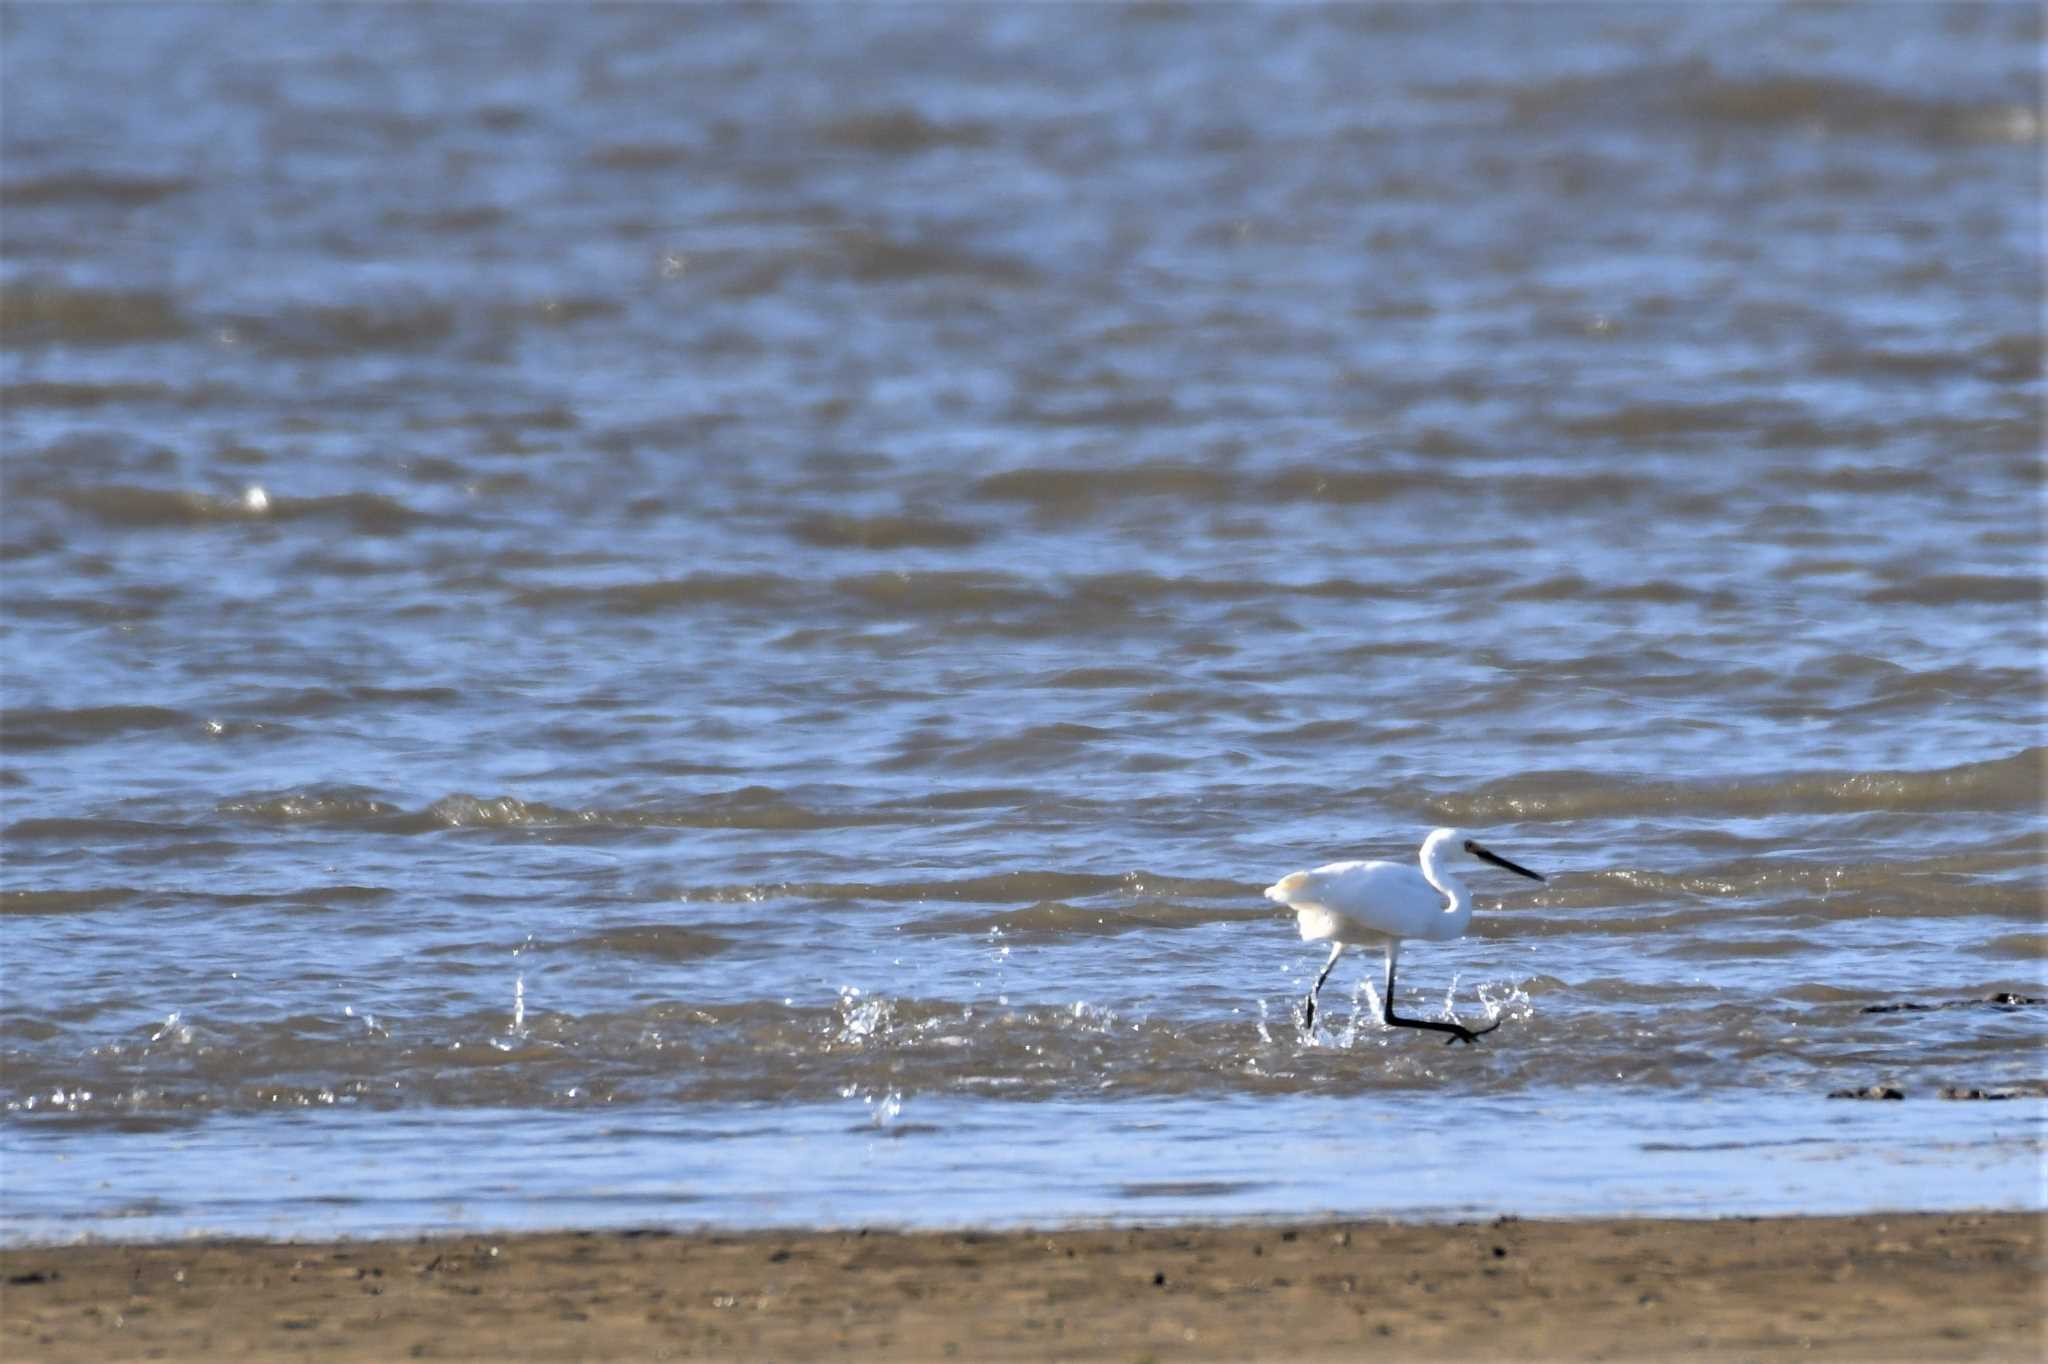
(1905, 1286)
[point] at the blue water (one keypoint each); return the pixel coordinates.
(719, 614)
(1413, 1156)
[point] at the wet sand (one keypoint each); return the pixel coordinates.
(1919, 1287)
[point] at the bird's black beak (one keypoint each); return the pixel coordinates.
(1485, 856)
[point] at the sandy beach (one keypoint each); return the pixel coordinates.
(1901, 1287)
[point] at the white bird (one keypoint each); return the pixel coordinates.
(1366, 904)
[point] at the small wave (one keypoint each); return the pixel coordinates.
(326, 701)
(86, 833)
(883, 532)
(756, 807)
(1649, 422)
(344, 894)
(1030, 750)
(1012, 887)
(1092, 408)
(1072, 490)
(1737, 949)
(1822, 674)
(37, 313)
(752, 807)
(117, 505)
(393, 324)
(502, 812)
(1806, 433)
(654, 942)
(971, 798)
(1048, 919)
(900, 132)
(1108, 679)
(645, 598)
(60, 394)
(456, 219)
(1913, 691)
(641, 156)
(1569, 492)
(63, 901)
(1118, 590)
(1949, 589)
(1794, 103)
(875, 1041)
(2013, 947)
(748, 808)
(2015, 358)
(1326, 735)
(1882, 363)
(1066, 485)
(128, 506)
(873, 259)
(1178, 1189)
(1000, 888)
(1804, 103)
(2010, 783)
(944, 591)
(1573, 587)
(555, 310)
(341, 806)
(52, 727)
(1052, 920)
(1347, 487)
(369, 513)
(94, 187)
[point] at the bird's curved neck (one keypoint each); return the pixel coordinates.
(1459, 910)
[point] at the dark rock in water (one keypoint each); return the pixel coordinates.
(2003, 999)
(2026, 1089)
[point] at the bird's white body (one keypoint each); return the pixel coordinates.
(1378, 904)
(1366, 903)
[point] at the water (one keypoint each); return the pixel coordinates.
(714, 615)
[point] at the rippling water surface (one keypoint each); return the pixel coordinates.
(718, 615)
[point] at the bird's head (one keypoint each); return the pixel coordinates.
(1451, 848)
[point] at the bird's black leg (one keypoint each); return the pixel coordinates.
(1458, 1031)
(1308, 1012)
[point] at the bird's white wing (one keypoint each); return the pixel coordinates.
(1359, 902)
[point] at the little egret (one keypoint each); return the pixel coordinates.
(1363, 904)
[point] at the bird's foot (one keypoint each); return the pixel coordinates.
(1470, 1035)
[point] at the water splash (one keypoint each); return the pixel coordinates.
(1001, 952)
(1503, 1001)
(369, 1021)
(178, 1033)
(1449, 1012)
(862, 1019)
(70, 1101)
(1096, 1017)
(1348, 1037)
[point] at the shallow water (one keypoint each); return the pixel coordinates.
(708, 615)
(972, 1163)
